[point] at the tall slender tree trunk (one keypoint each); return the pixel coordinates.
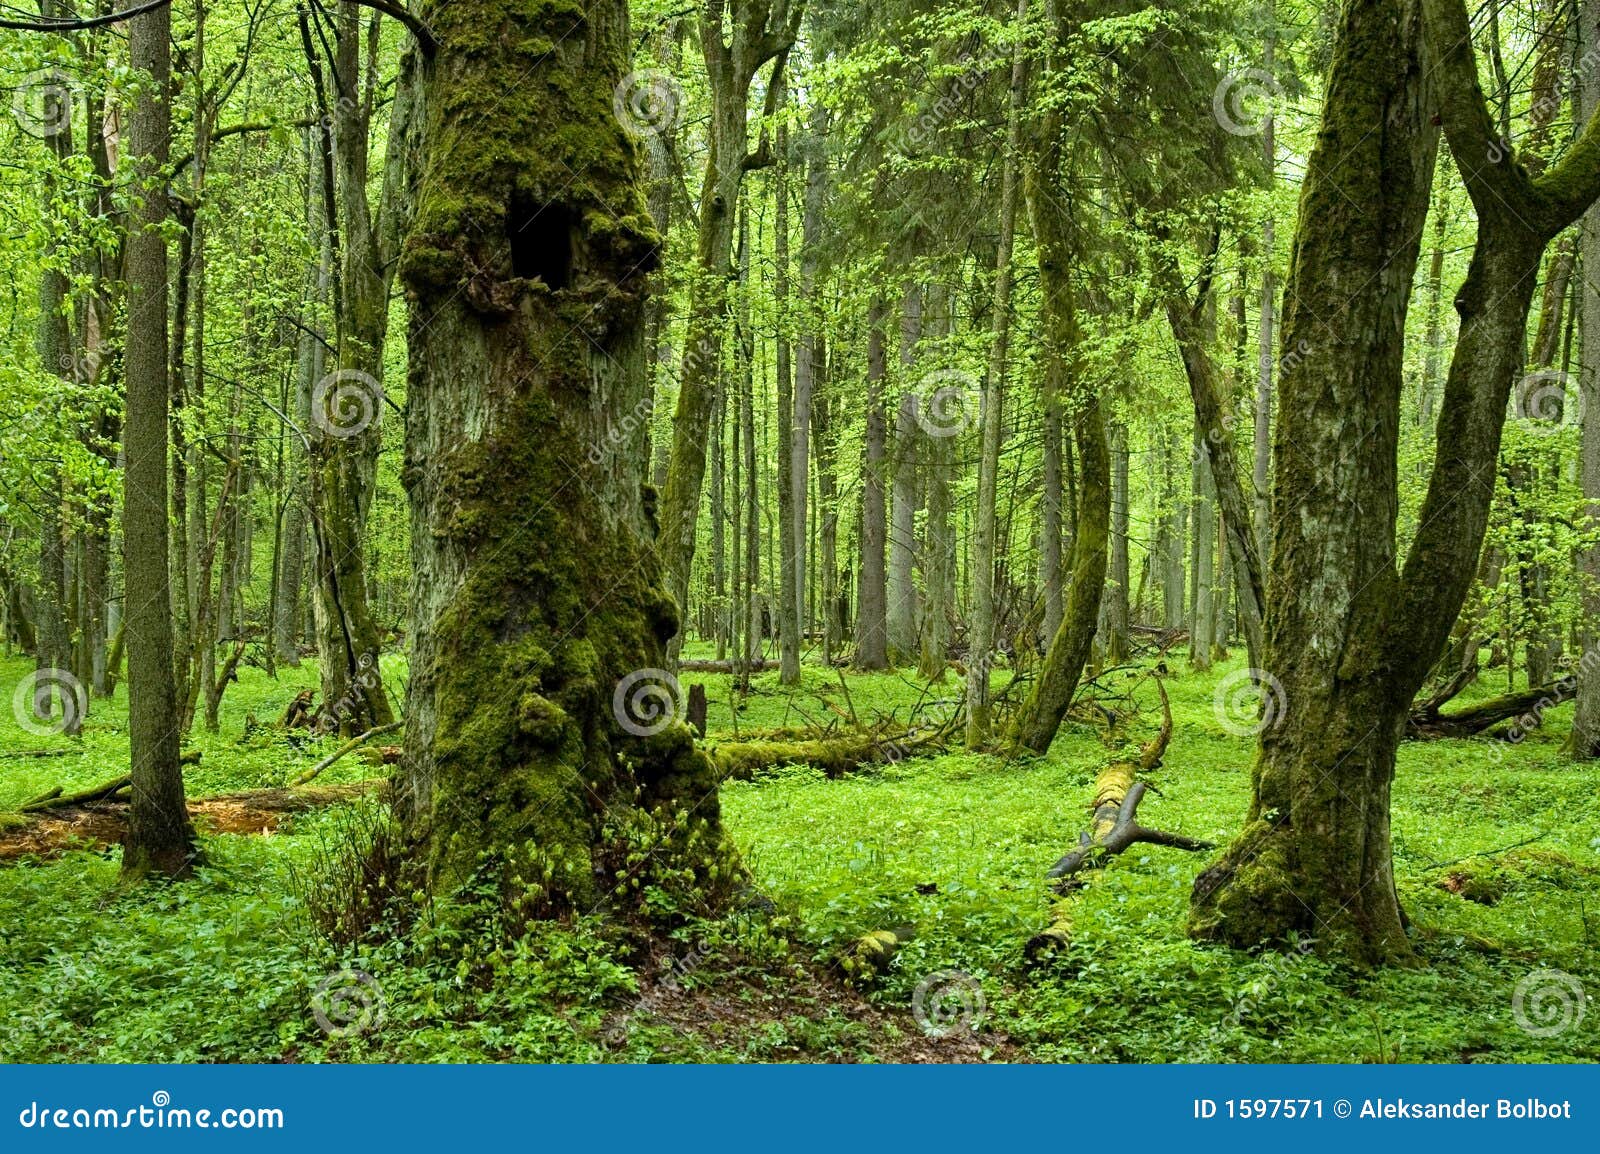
(348, 404)
(908, 440)
(736, 37)
(1114, 601)
(981, 572)
(872, 650)
(1261, 462)
(791, 528)
(809, 352)
(160, 838)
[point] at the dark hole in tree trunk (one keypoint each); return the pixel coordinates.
(541, 241)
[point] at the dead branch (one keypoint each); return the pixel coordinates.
(350, 746)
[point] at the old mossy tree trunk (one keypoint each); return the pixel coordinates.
(1351, 630)
(536, 589)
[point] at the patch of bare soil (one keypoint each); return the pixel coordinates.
(741, 1007)
(97, 824)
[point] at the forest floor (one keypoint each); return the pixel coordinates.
(1497, 859)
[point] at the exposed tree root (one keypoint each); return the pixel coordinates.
(1113, 828)
(95, 824)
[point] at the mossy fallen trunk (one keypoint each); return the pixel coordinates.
(1113, 827)
(835, 756)
(1528, 706)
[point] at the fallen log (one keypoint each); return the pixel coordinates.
(835, 756)
(760, 665)
(1528, 706)
(58, 798)
(1113, 827)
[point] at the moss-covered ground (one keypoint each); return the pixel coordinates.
(1497, 862)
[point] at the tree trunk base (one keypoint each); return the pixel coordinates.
(1247, 900)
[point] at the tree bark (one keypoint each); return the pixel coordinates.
(1350, 639)
(791, 530)
(872, 625)
(1036, 722)
(981, 572)
(537, 708)
(902, 614)
(756, 31)
(160, 837)
(1584, 742)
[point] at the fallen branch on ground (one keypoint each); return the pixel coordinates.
(1528, 705)
(1113, 828)
(350, 746)
(57, 798)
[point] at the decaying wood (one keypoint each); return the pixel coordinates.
(1527, 705)
(868, 956)
(1113, 828)
(835, 756)
(58, 798)
(299, 714)
(350, 746)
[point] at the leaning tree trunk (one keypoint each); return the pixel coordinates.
(1350, 640)
(537, 705)
(1036, 722)
(160, 838)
